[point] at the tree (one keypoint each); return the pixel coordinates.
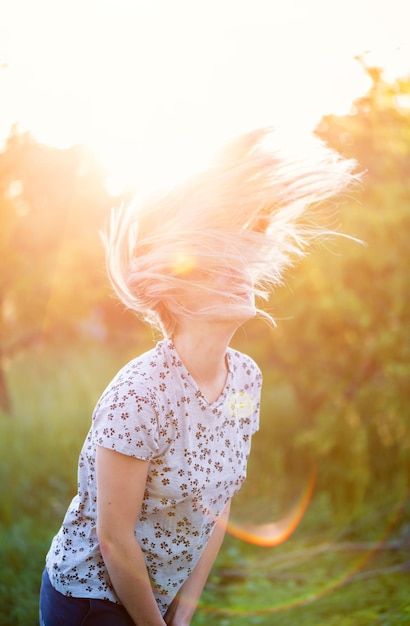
(375, 279)
(343, 349)
(52, 203)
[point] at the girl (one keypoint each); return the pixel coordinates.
(171, 435)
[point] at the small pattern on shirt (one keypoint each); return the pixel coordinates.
(198, 452)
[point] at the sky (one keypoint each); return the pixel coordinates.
(154, 86)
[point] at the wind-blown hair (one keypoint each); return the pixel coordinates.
(254, 211)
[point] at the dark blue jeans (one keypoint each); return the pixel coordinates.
(57, 609)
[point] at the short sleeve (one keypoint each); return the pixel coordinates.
(256, 413)
(125, 420)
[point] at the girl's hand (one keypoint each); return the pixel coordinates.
(171, 618)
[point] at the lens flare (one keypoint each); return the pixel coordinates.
(274, 533)
(277, 533)
(184, 263)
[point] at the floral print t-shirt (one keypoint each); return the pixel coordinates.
(198, 451)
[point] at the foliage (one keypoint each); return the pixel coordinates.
(52, 285)
(338, 364)
(336, 371)
(53, 202)
(306, 580)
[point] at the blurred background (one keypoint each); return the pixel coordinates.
(98, 100)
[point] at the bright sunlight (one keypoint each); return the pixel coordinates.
(153, 88)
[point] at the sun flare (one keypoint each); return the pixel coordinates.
(154, 88)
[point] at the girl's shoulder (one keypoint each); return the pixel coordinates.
(241, 362)
(147, 363)
(139, 376)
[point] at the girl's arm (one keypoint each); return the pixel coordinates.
(183, 606)
(121, 482)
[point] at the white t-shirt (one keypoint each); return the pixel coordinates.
(198, 452)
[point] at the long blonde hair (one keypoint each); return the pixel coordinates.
(256, 208)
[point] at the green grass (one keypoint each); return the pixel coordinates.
(318, 592)
(53, 395)
(344, 575)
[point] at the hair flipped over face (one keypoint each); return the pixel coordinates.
(253, 211)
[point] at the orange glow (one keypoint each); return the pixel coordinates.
(334, 583)
(274, 533)
(152, 110)
(184, 263)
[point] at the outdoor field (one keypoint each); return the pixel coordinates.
(320, 533)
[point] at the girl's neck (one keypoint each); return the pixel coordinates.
(204, 356)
